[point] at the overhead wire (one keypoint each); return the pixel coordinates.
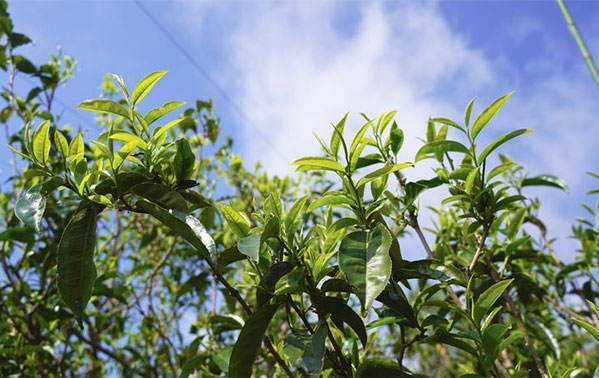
(223, 93)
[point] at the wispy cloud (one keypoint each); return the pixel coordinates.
(295, 67)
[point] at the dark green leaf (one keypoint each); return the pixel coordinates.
(379, 367)
(248, 343)
(487, 299)
(341, 312)
(184, 160)
(545, 180)
(161, 195)
(269, 281)
(76, 268)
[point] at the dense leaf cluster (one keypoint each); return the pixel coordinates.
(174, 259)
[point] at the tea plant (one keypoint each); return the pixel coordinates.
(112, 243)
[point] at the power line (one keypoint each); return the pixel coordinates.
(208, 78)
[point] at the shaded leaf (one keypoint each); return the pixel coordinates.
(76, 268)
(248, 343)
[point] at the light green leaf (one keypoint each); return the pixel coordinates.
(488, 298)
(30, 209)
(358, 138)
(249, 341)
(250, 246)
(588, 327)
(126, 136)
(104, 105)
(383, 171)
(77, 147)
(294, 212)
(515, 223)
(468, 112)
(440, 146)
(364, 259)
(161, 130)
(76, 268)
(318, 163)
(499, 141)
(337, 135)
(143, 87)
(122, 154)
(119, 81)
(238, 223)
(41, 143)
(487, 114)
(330, 200)
(470, 180)
(61, 144)
(156, 113)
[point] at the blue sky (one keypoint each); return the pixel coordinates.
(294, 66)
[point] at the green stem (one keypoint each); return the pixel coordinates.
(579, 41)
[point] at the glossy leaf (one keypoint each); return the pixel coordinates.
(396, 138)
(384, 171)
(30, 209)
(330, 200)
(364, 259)
(379, 367)
(183, 225)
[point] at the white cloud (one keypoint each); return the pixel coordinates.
(294, 71)
(295, 67)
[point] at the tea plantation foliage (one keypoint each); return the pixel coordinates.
(152, 250)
